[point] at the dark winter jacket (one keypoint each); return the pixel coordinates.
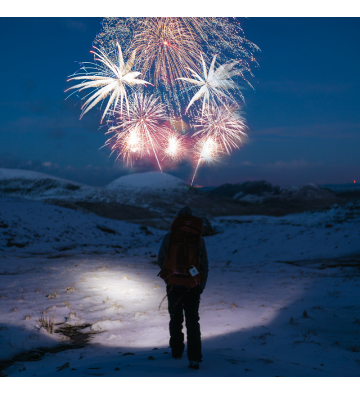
(204, 263)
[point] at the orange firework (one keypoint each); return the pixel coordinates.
(166, 48)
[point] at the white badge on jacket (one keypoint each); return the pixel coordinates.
(193, 271)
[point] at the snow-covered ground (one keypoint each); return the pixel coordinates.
(281, 298)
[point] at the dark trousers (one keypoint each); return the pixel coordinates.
(180, 301)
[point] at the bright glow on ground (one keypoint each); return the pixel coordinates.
(121, 301)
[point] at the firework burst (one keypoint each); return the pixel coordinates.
(125, 29)
(194, 64)
(214, 83)
(223, 36)
(221, 130)
(141, 133)
(108, 78)
(173, 146)
(168, 47)
(224, 125)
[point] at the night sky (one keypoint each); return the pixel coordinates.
(303, 118)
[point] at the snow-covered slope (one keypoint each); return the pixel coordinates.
(161, 192)
(161, 195)
(36, 227)
(148, 190)
(281, 298)
(39, 186)
(150, 182)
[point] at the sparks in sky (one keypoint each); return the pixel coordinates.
(207, 151)
(221, 130)
(168, 47)
(173, 146)
(214, 84)
(108, 78)
(224, 124)
(139, 134)
(175, 55)
(223, 36)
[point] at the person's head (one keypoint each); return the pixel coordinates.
(185, 211)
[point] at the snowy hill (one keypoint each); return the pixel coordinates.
(68, 194)
(140, 190)
(151, 182)
(147, 196)
(161, 193)
(154, 198)
(38, 227)
(39, 186)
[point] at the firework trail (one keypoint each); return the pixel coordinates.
(140, 133)
(224, 126)
(108, 78)
(207, 151)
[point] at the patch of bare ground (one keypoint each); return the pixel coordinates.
(76, 340)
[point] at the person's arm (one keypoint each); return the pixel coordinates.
(162, 251)
(204, 263)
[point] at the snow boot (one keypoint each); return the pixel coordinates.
(194, 364)
(177, 354)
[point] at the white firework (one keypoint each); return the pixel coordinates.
(173, 145)
(224, 125)
(214, 83)
(109, 78)
(221, 130)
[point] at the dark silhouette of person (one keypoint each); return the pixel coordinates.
(185, 299)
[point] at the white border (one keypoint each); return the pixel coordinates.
(204, 8)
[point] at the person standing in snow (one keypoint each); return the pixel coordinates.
(184, 268)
